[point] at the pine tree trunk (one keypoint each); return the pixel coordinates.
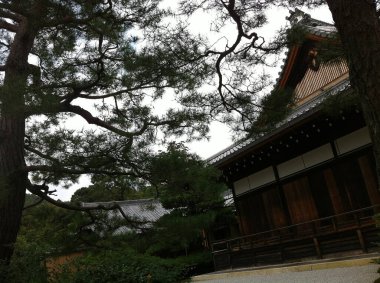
(13, 178)
(12, 183)
(359, 29)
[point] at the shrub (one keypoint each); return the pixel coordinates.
(26, 265)
(128, 266)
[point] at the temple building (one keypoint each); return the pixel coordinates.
(308, 188)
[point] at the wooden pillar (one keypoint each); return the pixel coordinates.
(361, 240)
(370, 180)
(241, 226)
(282, 196)
(317, 247)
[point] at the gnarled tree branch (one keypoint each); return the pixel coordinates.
(10, 15)
(64, 170)
(43, 192)
(8, 26)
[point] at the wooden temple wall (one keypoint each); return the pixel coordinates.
(332, 184)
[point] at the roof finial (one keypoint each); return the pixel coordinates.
(297, 16)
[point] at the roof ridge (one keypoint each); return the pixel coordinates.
(299, 17)
(129, 201)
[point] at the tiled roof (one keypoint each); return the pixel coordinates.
(328, 31)
(314, 26)
(296, 115)
(145, 211)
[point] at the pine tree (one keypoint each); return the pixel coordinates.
(101, 61)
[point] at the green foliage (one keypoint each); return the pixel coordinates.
(168, 252)
(185, 183)
(49, 231)
(46, 231)
(27, 264)
(274, 108)
(54, 228)
(193, 191)
(176, 234)
(129, 266)
(113, 188)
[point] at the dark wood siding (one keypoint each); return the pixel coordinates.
(300, 200)
(341, 186)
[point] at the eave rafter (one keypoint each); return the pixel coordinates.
(310, 133)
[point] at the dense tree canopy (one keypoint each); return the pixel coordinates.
(185, 182)
(113, 188)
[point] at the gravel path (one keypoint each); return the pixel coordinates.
(356, 274)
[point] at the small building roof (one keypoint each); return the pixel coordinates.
(142, 211)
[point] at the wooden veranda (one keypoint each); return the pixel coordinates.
(354, 230)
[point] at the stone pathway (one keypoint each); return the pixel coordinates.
(355, 274)
(353, 270)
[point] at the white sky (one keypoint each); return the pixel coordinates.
(220, 135)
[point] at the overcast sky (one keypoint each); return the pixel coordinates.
(220, 136)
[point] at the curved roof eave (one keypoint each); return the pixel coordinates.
(300, 113)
